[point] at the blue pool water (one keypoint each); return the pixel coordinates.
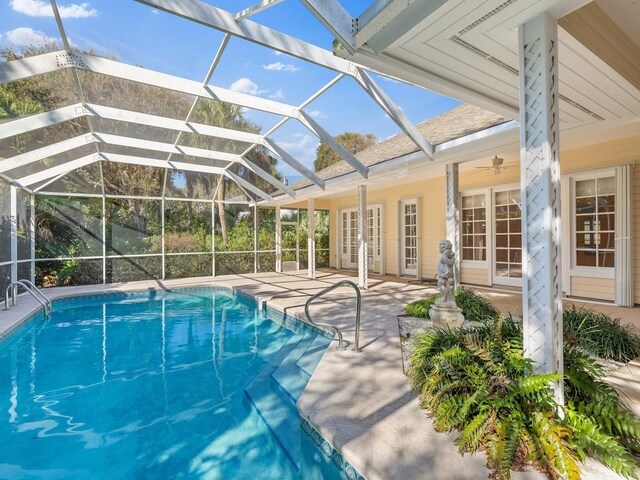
(183, 384)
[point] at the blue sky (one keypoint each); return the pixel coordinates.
(139, 35)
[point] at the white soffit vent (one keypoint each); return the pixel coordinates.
(481, 53)
(487, 16)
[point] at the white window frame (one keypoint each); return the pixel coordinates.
(511, 281)
(569, 225)
(400, 253)
(478, 264)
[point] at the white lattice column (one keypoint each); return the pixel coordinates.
(540, 177)
(13, 225)
(278, 241)
(363, 267)
(311, 239)
(453, 214)
(623, 260)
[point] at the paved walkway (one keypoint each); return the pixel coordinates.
(360, 402)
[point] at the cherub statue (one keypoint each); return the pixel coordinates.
(446, 277)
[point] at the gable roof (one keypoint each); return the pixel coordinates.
(455, 123)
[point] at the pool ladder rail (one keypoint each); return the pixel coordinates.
(35, 292)
(356, 343)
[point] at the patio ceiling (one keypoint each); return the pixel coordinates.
(99, 138)
(468, 49)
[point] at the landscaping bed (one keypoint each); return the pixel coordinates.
(476, 381)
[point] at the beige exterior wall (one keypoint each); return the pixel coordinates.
(589, 287)
(474, 276)
(431, 193)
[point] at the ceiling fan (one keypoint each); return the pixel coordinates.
(497, 165)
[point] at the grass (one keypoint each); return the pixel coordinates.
(474, 307)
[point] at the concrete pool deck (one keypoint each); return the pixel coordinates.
(360, 402)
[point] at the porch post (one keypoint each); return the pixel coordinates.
(540, 184)
(363, 267)
(13, 225)
(623, 260)
(278, 242)
(311, 239)
(453, 215)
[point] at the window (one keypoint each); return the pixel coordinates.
(508, 236)
(474, 227)
(345, 234)
(595, 222)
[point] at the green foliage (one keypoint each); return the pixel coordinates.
(353, 142)
(600, 334)
(476, 381)
(474, 306)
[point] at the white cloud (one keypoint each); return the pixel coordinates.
(302, 147)
(277, 53)
(281, 67)
(155, 11)
(40, 8)
(245, 85)
(24, 36)
(279, 95)
(318, 114)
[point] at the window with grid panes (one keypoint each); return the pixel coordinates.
(595, 222)
(474, 227)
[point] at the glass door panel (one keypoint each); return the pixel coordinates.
(409, 236)
(508, 238)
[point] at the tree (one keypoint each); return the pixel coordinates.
(352, 141)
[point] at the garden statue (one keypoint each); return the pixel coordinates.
(446, 277)
(445, 312)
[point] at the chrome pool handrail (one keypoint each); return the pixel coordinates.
(337, 331)
(30, 288)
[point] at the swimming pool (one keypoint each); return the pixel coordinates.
(170, 384)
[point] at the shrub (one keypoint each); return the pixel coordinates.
(477, 381)
(600, 334)
(474, 307)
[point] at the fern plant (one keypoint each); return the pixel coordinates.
(477, 381)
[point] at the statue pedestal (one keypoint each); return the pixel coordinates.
(446, 315)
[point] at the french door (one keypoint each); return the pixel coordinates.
(409, 237)
(349, 238)
(507, 263)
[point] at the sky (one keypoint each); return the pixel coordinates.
(140, 35)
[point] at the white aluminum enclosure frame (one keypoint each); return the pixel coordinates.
(236, 25)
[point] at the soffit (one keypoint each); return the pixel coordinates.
(474, 46)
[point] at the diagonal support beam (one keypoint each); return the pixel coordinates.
(396, 114)
(206, 14)
(40, 120)
(348, 157)
(335, 19)
(59, 169)
(54, 61)
(243, 183)
(35, 122)
(271, 145)
(257, 8)
(45, 152)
